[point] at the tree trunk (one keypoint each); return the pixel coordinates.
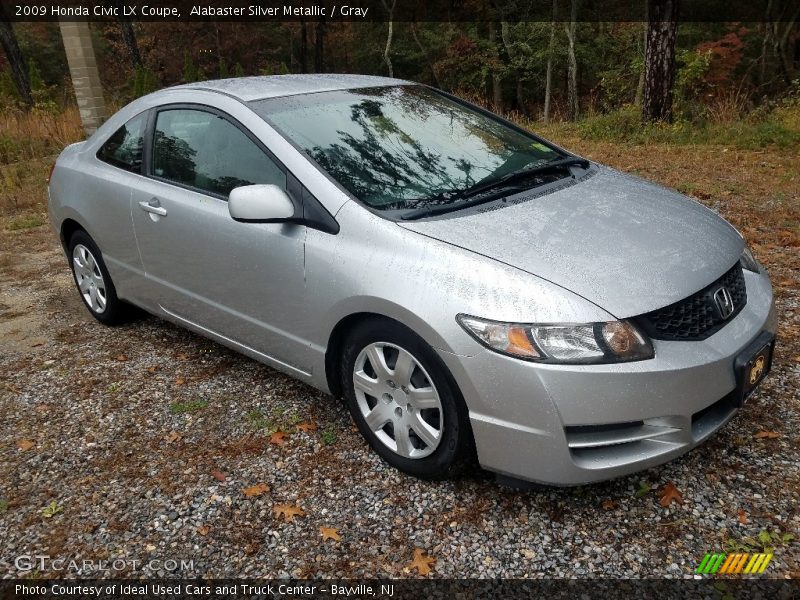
(784, 51)
(520, 96)
(303, 47)
(129, 37)
(422, 49)
(19, 70)
(386, 57)
(659, 60)
(762, 76)
(640, 85)
(497, 89)
(319, 48)
(572, 63)
(551, 48)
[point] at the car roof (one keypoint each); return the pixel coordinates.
(247, 89)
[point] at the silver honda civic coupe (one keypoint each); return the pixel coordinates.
(465, 286)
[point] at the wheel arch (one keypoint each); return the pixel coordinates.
(345, 325)
(68, 228)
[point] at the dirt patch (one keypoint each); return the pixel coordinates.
(32, 269)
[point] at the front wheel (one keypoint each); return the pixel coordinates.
(404, 400)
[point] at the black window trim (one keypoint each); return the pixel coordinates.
(146, 115)
(147, 158)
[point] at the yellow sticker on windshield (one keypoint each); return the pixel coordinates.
(540, 147)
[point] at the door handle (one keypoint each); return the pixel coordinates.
(153, 206)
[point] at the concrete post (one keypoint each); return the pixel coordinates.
(85, 77)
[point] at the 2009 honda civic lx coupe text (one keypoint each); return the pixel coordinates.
(463, 284)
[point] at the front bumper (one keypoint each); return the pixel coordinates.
(575, 424)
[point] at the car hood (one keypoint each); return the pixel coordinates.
(625, 244)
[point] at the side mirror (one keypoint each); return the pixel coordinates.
(260, 204)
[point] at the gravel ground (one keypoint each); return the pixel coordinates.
(149, 444)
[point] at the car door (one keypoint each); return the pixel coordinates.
(242, 282)
(113, 173)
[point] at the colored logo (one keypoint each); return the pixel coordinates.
(757, 370)
(730, 564)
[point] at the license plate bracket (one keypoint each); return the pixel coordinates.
(752, 365)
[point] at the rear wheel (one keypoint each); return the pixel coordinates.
(404, 400)
(93, 281)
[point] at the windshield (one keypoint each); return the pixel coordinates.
(403, 146)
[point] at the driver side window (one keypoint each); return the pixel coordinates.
(205, 151)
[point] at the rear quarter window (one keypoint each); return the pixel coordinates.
(124, 148)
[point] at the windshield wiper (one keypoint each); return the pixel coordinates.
(484, 186)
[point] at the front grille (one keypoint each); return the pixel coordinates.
(696, 317)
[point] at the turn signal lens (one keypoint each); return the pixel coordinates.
(519, 343)
(621, 337)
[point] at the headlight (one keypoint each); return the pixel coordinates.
(749, 261)
(609, 342)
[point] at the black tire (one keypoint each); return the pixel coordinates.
(115, 311)
(456, 436)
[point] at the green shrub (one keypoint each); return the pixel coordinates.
(779, 127)
(617, 125)
(144, 82)
(28, 221)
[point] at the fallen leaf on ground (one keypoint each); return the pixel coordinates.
(256, 490)
(329, 533)
(218, 475)
(172, 436)
(182, 356)
(288, 511)
(203, 529)
(770, 435)
(307, 426)
(180, 381)
(152, 369)
(25, 445)
(608, 504)
(121, 358)
(527, 553)
(669, 494)
(422, 562)
(742, 517)
(278, 438)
